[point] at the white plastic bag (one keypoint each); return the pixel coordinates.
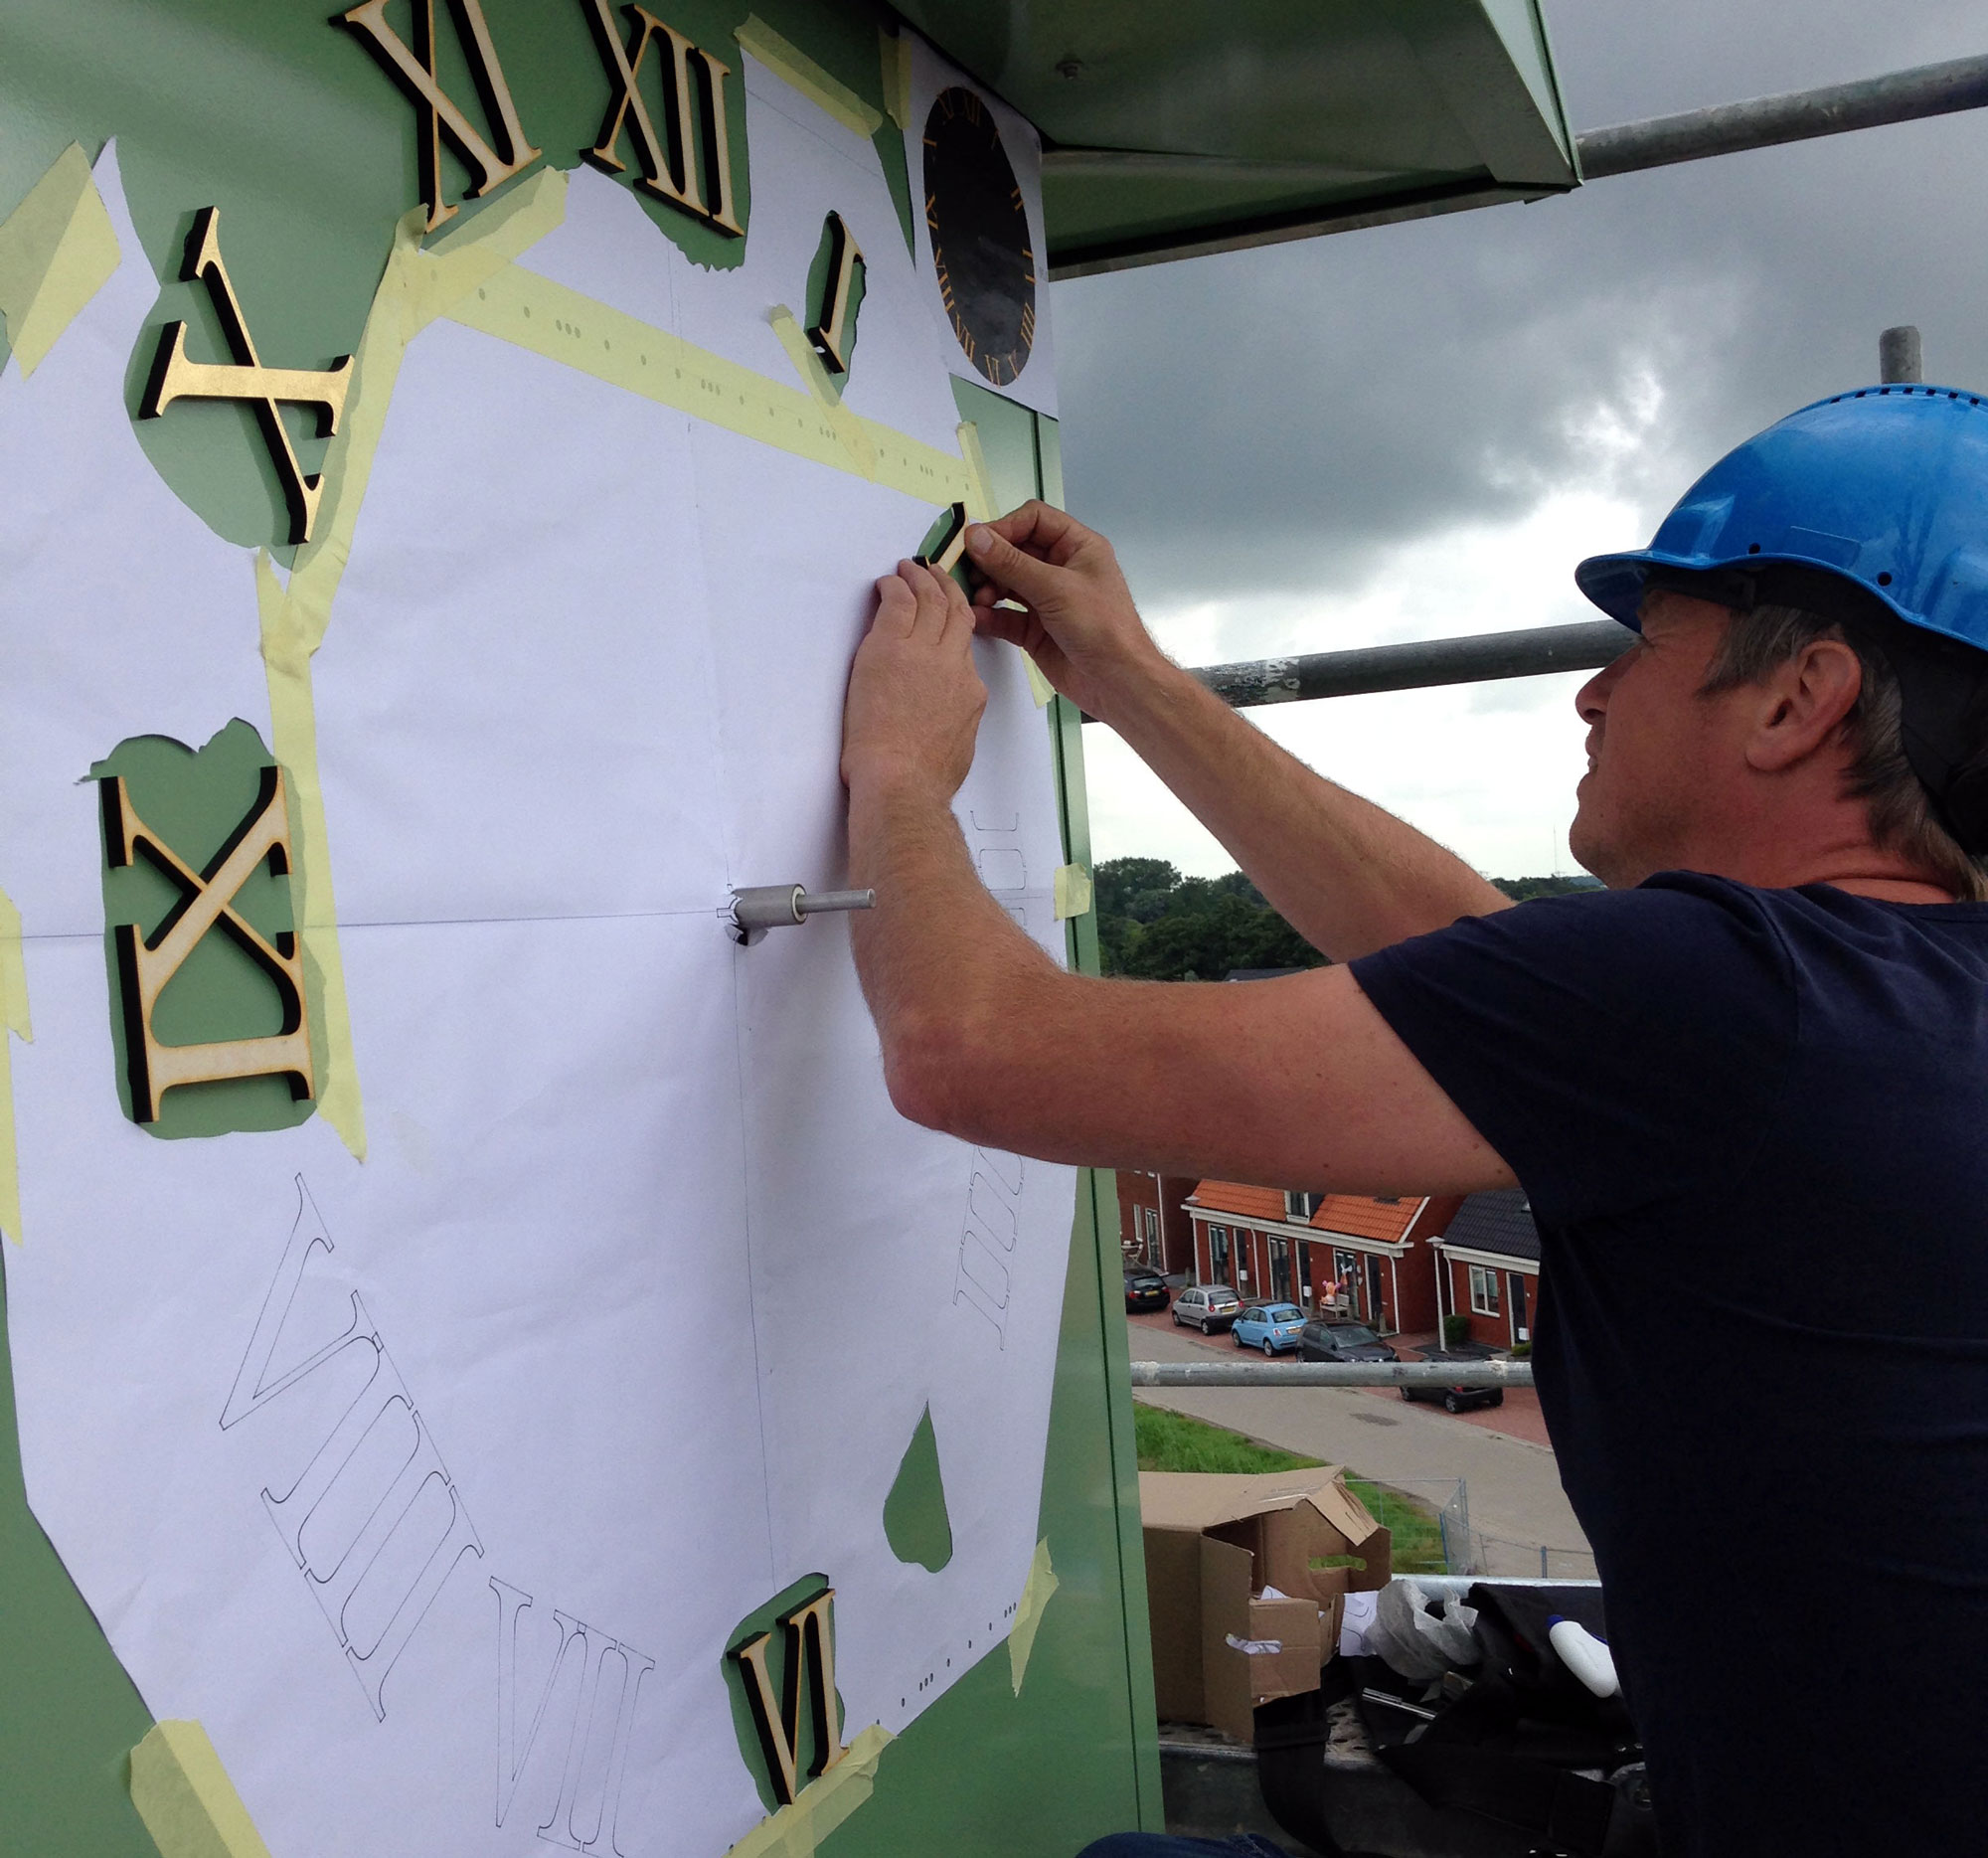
(1417, 1642)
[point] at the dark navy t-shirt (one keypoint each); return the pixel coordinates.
(1753, 1128)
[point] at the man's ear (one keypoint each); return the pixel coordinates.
(1803, 701)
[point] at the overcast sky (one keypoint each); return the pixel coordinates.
(1417, 431)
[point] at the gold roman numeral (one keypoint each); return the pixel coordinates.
(945, 549)
(174, 377)
(811, 1646)
(435, 114)
(832, 336)
(693, 79)
(207, 901)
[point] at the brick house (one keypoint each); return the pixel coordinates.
(1153, 1227)
(1364, 1257)
(1490, 1266)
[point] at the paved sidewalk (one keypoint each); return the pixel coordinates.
(1514, 1484)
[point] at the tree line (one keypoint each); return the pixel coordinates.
(1155, 925)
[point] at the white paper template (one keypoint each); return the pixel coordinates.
(643, 1288)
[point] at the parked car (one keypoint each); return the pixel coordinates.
(1207, 1307)
(1273, 1328)
(1145, 1289)
(1328, 1339)
(1454, 1398)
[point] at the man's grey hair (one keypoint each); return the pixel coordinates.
(1901, 813)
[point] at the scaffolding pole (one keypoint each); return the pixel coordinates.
(1490, 1372)
(1793, 116)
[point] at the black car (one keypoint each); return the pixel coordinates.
(1454, 1398)
(1147, 1289)
(1328, 1339)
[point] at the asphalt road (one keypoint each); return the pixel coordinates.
(1514, 1487)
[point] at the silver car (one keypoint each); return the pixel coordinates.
(1207, 1307)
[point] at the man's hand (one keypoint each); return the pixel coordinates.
(914, 699)
(1080, 626)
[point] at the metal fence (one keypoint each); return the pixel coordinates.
(1496, 1555)
(1467, 1550)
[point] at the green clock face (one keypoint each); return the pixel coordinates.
(981, 249)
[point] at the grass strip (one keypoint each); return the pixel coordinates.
(1173, 1442)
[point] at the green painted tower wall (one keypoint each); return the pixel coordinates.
(270, 111)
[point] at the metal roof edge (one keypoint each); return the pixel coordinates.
(1473, 1254)
(1281, 228)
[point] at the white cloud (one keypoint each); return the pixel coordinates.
(1415, 431)
(1487, 770)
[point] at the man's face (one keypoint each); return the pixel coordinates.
(1656, 749)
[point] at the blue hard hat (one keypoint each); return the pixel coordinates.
(1883, 487)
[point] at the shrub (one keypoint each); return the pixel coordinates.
(1455, 1331)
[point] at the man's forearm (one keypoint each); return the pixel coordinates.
(942, 966)
(1347, 875)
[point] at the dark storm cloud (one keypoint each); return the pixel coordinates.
(1263, 424)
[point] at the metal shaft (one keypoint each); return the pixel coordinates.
(814, 902)
(1899, 358)
(1332, 1374)
(1793, 116)
(1585, 646)
(763, 906)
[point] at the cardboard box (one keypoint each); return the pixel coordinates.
(1213, 1544)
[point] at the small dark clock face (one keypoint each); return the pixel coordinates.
(981, 248)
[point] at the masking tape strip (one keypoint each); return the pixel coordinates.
(417, 288)
(286, 668)
(812, 370)
(13, 1019)
(575, 330)
(1042, 1583)
(980, 503)
(56, 251)
(824, 1803)
(1073, 892)
(185, 1800)
(893, 50)
(981, 509)
(790, 63)
(826, 395)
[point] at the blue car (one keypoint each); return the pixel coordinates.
(1273, 1328)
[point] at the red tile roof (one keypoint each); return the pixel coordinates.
(1355, 1214)
(1253, 1203)
(1361, 1216)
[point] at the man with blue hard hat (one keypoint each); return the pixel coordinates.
(1745, 1087)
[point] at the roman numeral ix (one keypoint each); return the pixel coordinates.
(207, 900)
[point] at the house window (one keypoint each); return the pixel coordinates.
(1152, 1234)
(1300, 1206)
(1218, 1254)
(1484, 1291)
